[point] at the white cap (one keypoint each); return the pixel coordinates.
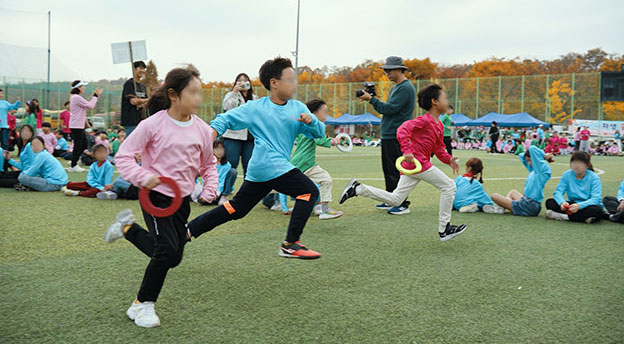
(80, 83)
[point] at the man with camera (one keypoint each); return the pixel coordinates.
(398, 108)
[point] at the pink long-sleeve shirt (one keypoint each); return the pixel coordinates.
(78, 108)
(170, 150)
(422, 136)
(50, 141)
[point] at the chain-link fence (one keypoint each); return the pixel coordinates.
(552, 98)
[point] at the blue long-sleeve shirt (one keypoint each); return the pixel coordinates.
(274, 128)
(47, 167)
(469, 193)
(1, 160)
(4, 108)
(62, 144)
(620, 195)
(584, 192)
(223, 170)
(539, 174)
(27, 157)
(100, 176)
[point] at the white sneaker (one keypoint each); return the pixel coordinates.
(106, 195)
(69, 192)
(330, 214)
(318, 210)
(553, 215)
(470, 208)
(143, 314)
(115, 231)
(76, 169)
(276, 207)
(222, 200)
(63, 189)
(493, 209)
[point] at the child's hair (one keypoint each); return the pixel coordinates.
(67, 102)
(583, 157)
(315, 104)
(272, 69)
(75, 90)
(220, 143)
(59, 132)
(98, 147)
(46, 125)
(476, 167)
(250, 90)
(138, 64)
(177, 79)
(120, 130)
(32, 131)
(31, 107)
(40, 139)
(427, 94)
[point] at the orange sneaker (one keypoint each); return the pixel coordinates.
(297, 250)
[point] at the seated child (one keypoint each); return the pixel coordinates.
(99, 179)
(615, 205)
(470, 196)
(61, 147)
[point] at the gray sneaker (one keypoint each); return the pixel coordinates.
(115, 231)
(106, 195)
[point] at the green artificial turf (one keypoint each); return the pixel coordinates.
(382, 278)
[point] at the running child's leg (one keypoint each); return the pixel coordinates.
(396, 198)
(249, 194)
(446, 185)
(296, 184)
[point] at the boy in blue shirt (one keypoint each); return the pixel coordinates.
(274, 121)
(61, 147)
(99, 179)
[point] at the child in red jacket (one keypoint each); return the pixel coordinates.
(419, 138)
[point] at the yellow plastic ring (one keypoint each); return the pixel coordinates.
(405, 171)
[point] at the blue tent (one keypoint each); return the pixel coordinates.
(346, 119)
(460, 119)
(521, 119)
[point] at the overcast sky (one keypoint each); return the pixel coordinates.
(223, 38)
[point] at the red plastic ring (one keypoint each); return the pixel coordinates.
(150, 208)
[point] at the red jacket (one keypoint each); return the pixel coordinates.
(422, 136)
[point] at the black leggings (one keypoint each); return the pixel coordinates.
(579, 216)
(293, 183)
(80, 143)
(8, 179)
(164, 244)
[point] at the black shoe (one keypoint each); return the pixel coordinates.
(21, 187)
(452, 231)
(617, 217)
(349, 190)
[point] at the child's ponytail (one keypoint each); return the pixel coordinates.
(175, 81)
(476, 168)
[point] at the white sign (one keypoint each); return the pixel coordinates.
(601, 128)
(121, 51)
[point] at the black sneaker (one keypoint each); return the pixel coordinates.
(21, 187)
(349, 191)
(452, 231)
(617, 217)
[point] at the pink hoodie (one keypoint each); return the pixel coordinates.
(422, 136)
(78, 108)
(170, 150)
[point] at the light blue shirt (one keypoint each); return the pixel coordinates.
(274, 128)
(539, 174)
(540, 133)
(1, 160)
(100, 176)
(470, 192)
(4, 108)
(27, 157)
(62, 144)
(47, 167)
(620, 195)
(223, 171)
(584, 192)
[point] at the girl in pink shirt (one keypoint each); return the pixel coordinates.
(78, 107)
(419, 138)
(176, 143)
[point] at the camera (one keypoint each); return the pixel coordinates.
(246, 85)
(369, 87)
